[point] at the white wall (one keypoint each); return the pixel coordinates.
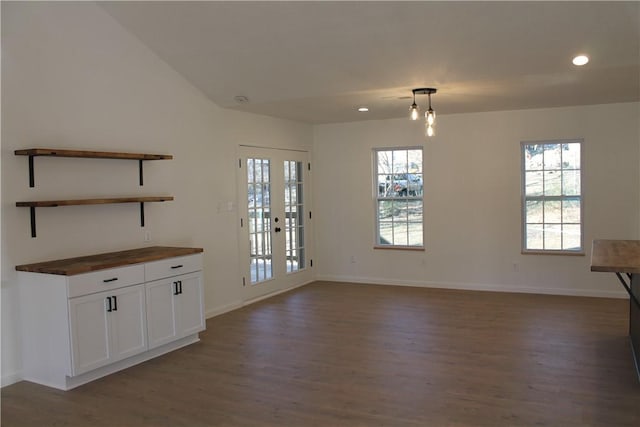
(472, 199)
(73, 78)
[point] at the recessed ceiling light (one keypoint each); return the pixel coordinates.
(580, 60)
(363, 109)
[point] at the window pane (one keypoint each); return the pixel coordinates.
(400, 209)
(384, 186)
(415, 233)
(400, 163)
(571, 183)
(386, 233)
(571, 211)
(385, 210)
(552, 183)
(552, 156)
(385, 160)
(571, 156)
(533, 158)
(400, 234)
(414, 158)
(534, 211)
(534, 236)
(552, 236)
(571, 237)
(534, 183)
(552, 212)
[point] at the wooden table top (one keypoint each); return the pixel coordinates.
(86, 264)
(616, 256)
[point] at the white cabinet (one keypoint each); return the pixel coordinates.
(107, 327)
(80, 327)
(174, 308)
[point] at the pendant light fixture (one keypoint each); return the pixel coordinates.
(414, 108)
(429, 115)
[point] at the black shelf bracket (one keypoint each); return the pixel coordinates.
(32, 211)
(31, 177)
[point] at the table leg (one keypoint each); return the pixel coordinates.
(634, 320)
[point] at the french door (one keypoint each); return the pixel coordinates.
(275, 218)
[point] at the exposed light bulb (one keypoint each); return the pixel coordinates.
(430, 116)
(430, 131)
(414, 111)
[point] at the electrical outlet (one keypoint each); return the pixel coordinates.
(352, 259)
(147, 236)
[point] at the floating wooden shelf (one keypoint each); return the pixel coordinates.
(32, 205)
(55, 203)
(53, 152)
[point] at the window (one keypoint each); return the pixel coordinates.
(552, 197)
(398, 188)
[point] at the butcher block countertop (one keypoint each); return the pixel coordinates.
(616, 256)
(87, 264)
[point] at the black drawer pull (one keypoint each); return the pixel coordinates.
(109, 308)
(177, 266)
(115, 303)
(113, 279)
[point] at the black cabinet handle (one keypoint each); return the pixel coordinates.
(109, 309)
(113, 279)
(115, 303)
(175, 292)
(177, 266)
(180, 284)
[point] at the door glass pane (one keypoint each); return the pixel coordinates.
(259, 219)
(294, 214)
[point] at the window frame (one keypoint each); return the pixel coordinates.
(524, 199)
(376, 198)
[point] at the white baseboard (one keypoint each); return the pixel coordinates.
(8, 379)
(217, 311)
(476, 286)
(273, 294)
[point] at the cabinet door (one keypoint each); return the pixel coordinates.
(189, 304)
(127, 322)
(161, 318)
(90, 342)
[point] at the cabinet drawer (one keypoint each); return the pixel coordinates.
(103, 280)
(172, 267)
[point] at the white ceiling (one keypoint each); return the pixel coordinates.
(317, 62)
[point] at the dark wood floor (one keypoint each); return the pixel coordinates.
(334, 354)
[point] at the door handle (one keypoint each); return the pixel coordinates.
(176, 292)
(180, 285)
(278, 229)
(115, 303)
(109, 309)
